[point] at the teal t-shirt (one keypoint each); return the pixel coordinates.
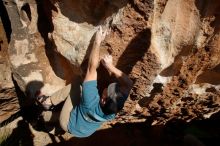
(87, 117)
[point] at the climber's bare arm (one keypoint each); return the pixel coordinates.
(125, 82)
(93, 64)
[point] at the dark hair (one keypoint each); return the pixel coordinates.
(110, 107)
(113, 105)
(115, 100)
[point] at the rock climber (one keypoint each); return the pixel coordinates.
(85, 118)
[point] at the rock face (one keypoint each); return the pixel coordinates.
(31, 67)
(169, 48)
(186, 41)
(5, 78)
(8, 98)
(8, 103)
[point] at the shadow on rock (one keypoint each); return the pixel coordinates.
(91, 11)
(20, 136)
(121, 134)
(174, 133)
(135, 51)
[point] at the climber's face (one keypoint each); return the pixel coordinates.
(104, 96)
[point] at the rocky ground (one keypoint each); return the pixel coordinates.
(195, 133)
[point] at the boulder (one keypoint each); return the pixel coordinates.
(170, 49)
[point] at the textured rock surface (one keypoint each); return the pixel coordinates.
(8, 103)
(30, 65)
(169, 48)
(186, 40)
(8, 98)
(5, 71)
